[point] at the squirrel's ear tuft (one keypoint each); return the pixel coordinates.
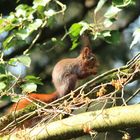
(85, 52)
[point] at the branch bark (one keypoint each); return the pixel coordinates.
(99, 121)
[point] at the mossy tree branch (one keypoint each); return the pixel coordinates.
(97, 121)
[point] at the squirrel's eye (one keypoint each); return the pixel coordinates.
(91, 57)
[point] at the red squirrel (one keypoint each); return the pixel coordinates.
(64, 76)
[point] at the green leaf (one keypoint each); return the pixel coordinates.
(18, 37)
(8, 42)
(2, 85)
(28, 87)
(118, 2)
(35, 25)
(51, 22)
(12, 61)
(5, 25)
(74, 31)
(24, 12)
(136, 38)
(106, 33)
(3, 77)
(49, 13)
(37, 3)
(5, 98)
(24, 33)
(15, 99)
(74, 45)
(112, 12)
(122, 3)
(108, 22)
(99, 5)
(8, 23)
(113, 38)
(21, 10)
(96, 35)
(33, 79)
(24, 59)
(12, 41)
(2, 68)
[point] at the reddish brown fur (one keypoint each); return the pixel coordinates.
(34, 97)
(65, 75)
(67, 71)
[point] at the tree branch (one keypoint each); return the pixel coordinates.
(99, 121)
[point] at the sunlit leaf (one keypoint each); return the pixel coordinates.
(3, 77)
(5, 25)
(106, 33)
(20, 11)
(8, 42)
(112, 12)
(74, 30)
(35, 25)
(24, 59)
(136, 38)
(16, 98)
(108, 22)
(37, 3)
(12, 61)
(14, 42)
(122, 3)
(74, 33)
(28, 87)
(49, 13)
(100, 5)
(33, 79)
(24, 12)
(96, 35)
(2, 85)
(23, 33)
(74, 44)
